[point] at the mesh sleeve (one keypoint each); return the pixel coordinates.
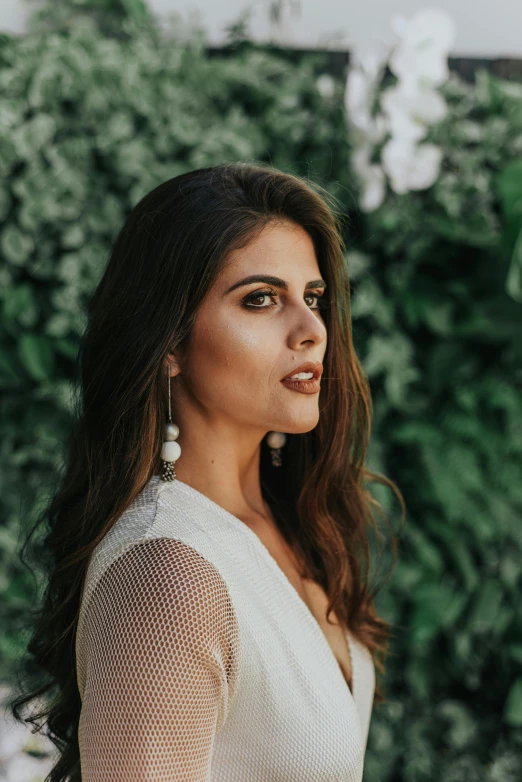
(161, 643)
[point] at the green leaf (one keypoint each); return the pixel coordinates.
(34, 134)
(486, 606)
(438, 316)
(426, 553)
(21, 306)
(137, 10)
(437, 606)
(514, 275)
(513, 706)
(509, 187)
(37, 356)
(9, 368)
(15, 246)
(515, 652)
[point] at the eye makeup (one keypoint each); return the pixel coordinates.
(270, 280)
(246, 302)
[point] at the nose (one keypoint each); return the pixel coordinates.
(308, 326)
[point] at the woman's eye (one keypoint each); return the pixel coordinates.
(321, 302)
(259, 295)
(247, 302)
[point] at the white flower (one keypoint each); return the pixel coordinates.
(325, 85)
(371, 58)
(409, 110)
(380, 128)
(426, 40)
(357, 100)
(371, 177)
(360, 158)
(374, 188)
(404, 126)
(365, 73)
(432, 27)
(426, 166)
(403, 111)
(410, 167)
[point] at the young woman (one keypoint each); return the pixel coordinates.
(207, 615)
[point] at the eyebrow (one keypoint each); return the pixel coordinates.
(277, 282)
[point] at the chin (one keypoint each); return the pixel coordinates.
(296, 425)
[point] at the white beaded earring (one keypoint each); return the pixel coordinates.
(171, 450)
(275, 441)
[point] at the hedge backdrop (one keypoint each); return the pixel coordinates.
(97, 108)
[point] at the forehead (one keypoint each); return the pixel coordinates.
(278, 246)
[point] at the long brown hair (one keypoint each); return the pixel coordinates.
(164, 260)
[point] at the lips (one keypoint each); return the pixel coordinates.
(310, 366)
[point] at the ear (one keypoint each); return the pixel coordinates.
(173, 362)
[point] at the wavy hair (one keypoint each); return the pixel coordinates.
(165, 258)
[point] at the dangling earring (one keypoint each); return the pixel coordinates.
(276, 440)
(171, 450)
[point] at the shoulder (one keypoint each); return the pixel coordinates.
(161, 603)
(151, 571)
(159, 574)
(162, 571)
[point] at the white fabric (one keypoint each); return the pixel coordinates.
(197, 659)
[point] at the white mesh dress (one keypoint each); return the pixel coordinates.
(197, 659)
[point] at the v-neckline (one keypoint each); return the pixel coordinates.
(265, 553)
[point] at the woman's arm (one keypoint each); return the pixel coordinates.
(161, 649)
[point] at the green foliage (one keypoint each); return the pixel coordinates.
(438, 322)
(509, 187)
(93, 115)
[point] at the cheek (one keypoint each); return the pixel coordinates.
(231, 359)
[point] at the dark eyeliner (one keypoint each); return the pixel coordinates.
(320, 301)
(255, 295)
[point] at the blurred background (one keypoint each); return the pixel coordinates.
(411, 117)
(484, 28)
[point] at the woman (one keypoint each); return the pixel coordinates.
(207, 615)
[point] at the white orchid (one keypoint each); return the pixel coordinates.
(405, 111)
(425, 42)
(357, 99)
(360, 158)
(371, 59)
(410, 110)
(374, 188)
(366, 69)
(325, 85)
(410, 167)
(370, 175)
(358, 102)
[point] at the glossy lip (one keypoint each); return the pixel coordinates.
(310, 366)
(312, 386)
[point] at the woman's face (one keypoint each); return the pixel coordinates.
(247, 337)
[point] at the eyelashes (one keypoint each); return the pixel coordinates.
(246, 302)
